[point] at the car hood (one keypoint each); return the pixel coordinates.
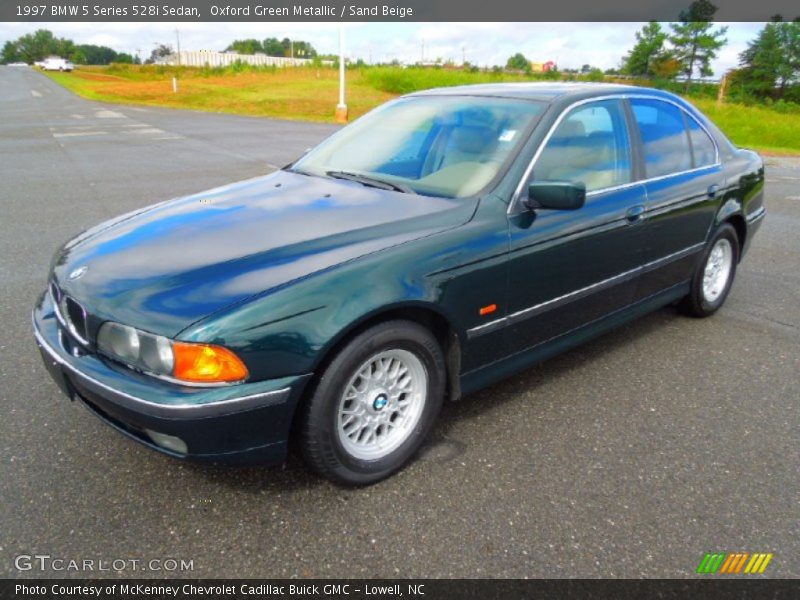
(167, 266)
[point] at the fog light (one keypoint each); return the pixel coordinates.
(170, 442)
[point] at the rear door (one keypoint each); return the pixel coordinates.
(683, 179)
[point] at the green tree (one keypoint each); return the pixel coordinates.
(648, 50)
(65, 48)
(249, 46)
(10, 53)
(78, 57)
(518, 62)
(695, 43)
(273, 47)
(90, 54)
(665, 66)
(771, 62)
(159, 52)
(304, 49)
(38, 45)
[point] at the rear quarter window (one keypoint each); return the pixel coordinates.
(705, 152)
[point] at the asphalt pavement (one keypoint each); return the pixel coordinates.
(631, 456)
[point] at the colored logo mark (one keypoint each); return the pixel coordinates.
(733, 563)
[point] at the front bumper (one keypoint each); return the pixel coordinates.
(246, 422)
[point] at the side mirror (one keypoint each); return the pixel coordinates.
(558, 195)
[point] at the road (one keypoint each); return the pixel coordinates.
(631, 456)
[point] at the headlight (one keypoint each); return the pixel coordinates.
(122, 342)
(158, 355)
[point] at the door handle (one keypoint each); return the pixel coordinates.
(712, 190)
(635, 214)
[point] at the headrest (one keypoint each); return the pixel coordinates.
(472, 139)
(569, 129)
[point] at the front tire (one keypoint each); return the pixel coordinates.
(374, 404)
(714, 276)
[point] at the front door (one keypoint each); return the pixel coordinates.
(569, 268)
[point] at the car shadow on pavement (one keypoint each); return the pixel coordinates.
(441, 445)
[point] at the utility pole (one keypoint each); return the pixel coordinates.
(723, 88)
(291, 48)
(341, 108)
(178, 40)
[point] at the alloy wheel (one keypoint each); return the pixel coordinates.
(382, 404)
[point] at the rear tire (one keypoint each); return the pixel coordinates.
(713, 279)
(374, 404)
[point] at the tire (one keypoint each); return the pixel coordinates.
(387, 383)
(713, 279)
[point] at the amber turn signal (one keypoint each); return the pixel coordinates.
(487, 310)
(204, 363)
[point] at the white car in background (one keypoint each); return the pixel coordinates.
(55, 63)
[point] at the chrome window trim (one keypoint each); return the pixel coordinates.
(171, 410)
(581, 292)
(622, 96)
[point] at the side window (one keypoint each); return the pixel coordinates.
(590, 145)
(666, 145)
(705, 153)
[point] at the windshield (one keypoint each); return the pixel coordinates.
(450, 146)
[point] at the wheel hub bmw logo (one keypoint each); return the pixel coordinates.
(77, 273)
(380, 402)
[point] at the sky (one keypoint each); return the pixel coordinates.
(570, 45)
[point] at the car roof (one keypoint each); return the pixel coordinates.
(541, 91)
(563, 94)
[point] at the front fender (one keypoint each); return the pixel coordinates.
(291, 329)
(453, 273)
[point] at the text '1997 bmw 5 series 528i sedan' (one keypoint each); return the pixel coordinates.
(438, 244)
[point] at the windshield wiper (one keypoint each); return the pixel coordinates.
(371, 181)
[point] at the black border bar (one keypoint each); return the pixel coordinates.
(382, 10)
(740, 587)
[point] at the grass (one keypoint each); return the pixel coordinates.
(311, 93)
(305, 94)
(757, 127)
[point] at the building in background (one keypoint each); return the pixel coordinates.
(543, 67)
(201, 58)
